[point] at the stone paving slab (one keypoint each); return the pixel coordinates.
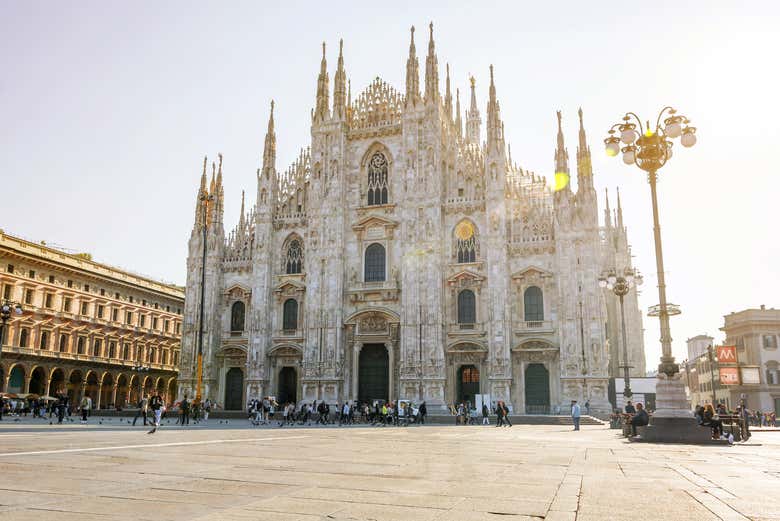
(437, 473)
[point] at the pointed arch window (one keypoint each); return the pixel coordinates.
(465, 242)
(237, 315)
(377, 179)
(290, 315)
(374, 266)
(293, 260)
(467, 307)
(533, 304)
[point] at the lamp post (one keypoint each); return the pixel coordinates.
(205, 202)
(7, 308)
(620, 284)
(650, 148)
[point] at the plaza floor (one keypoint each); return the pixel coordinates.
(232, 471)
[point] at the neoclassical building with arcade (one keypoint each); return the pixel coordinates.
(404, 254)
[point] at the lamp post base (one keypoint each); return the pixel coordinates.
(676, 430)
(670, 399)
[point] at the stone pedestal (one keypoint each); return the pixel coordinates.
(670, 399)
(673, 421)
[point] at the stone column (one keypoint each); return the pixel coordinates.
(99, 395)
(82, 391)
(114, 389)
(47, 388)
(27, 379)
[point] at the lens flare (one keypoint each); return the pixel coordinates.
(561, 181)
(649, 133)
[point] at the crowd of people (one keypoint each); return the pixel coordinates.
(267, 411)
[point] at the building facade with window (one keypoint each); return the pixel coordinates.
(756, 334)
(404, 254)
(87, 327)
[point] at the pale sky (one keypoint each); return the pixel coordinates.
(108, 108)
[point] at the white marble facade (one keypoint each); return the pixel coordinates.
(405, 255)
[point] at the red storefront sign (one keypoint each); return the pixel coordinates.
(729, 376)
(727, 354)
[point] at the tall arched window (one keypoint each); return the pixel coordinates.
(467, 307)
(374, 266)
(533, 304)
(377, 179)
(80, 345)
(237, 313)
(465, 242)
(63, 343)
(290, 315)
(44, 339)
(293, 258)
(23, 338)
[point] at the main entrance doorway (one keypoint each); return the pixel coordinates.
(288, 386)
(234, 389)
(468, 383)
(373, 373)
(537, 389)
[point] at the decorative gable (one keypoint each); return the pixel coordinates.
(374, 227)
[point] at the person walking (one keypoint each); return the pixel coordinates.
(62, 405)
(156, 404)
(485, 414)
(206, 409)
(575, 414)
(143, 404)
(506, 413)
(587, 407)
(422, 412)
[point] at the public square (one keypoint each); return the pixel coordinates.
(221, 472)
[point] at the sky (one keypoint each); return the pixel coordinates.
(109, 108)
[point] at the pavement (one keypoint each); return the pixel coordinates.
(233, 471)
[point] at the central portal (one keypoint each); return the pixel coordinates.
(288, 386)
(468, 383)
(234, 389)
(373, 373)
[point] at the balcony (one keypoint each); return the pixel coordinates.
(529, 327)
(475, 329)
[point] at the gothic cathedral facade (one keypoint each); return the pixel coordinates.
(401, 256)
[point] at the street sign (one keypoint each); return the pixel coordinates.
(727, 354)
(729, 375)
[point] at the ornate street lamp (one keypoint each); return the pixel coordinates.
(7, 308)
(620, 284)
(140, 369)
(650, 148)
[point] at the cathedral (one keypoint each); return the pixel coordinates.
(404, 255)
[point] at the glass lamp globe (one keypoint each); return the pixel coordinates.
(688, 138)
(629, 157)
(602, 283)
(612, 279)
(628, 136)
(673, 129)
(613, 148)
(18, 309)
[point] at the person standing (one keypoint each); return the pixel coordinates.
(156, 404)
(85, 406)
(587, 407)
(185, 411)
(62, 404)
(143, 404)
(575, 414)
(422, 413)
(485, 414)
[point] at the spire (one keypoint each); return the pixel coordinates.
(203, 176)
(241, 218)
(619, 213)
(495, 128)
(269, 150)
(509, 153)
(458, 121)
(339, 86)
(473, 122)
(607, 217)
(412, 76)
(321, 110)
(201, 193)
(431, 72)
(448, 96)
(584, 165)
(561, 154)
